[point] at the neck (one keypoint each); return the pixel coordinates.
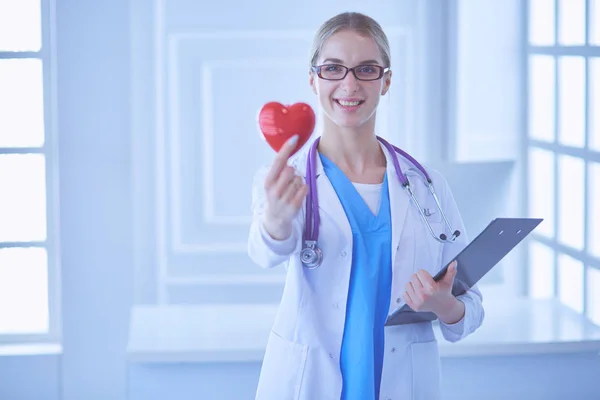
(354, 150)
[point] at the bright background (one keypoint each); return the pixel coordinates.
(128, 144)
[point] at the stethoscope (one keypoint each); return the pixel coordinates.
(311, 255)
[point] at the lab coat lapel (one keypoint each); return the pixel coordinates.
(328, 200)
(399, 201)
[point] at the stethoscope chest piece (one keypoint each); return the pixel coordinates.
(311, 255)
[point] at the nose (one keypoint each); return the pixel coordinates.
(350, 83)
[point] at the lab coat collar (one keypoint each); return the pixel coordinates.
(329, 202)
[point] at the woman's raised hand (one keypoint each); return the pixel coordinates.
(285, 193)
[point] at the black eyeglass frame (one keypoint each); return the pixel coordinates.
(382, 71)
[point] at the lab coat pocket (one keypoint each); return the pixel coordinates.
(426, 382)
(282, 369)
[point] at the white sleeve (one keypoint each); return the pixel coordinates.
(262, 248)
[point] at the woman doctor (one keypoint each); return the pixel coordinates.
(328, 340)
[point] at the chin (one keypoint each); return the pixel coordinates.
(350, 124)
(347, 121)
(352, 121)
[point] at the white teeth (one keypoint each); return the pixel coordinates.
(349, 103)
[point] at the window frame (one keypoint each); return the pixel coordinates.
(585, 153)
(47, 54)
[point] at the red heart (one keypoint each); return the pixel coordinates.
(278, 123)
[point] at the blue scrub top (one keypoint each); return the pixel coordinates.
(369, 290)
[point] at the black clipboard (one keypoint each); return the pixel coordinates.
(476, 260)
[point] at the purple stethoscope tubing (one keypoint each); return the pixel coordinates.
(311, 255)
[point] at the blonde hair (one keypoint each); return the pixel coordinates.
(356, 22)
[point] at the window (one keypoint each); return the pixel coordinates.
(28, 266)
(563, 148)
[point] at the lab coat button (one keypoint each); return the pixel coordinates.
(398, 300)
(393, 349)
(331, 356)
(335, 305)
(343, 254)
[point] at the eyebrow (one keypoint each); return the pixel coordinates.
(338, 61)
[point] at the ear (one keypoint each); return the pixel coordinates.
(311, 81)
(387, 82)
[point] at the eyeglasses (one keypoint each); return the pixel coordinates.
(337, 72)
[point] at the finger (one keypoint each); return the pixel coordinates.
(280, 160)
(416, 282)
(408, 299)
(285, 179)
(451, 273)
(415, 293)
(411, 288)
(291, 190)
(286, 176)
(288, 148)
(452, 267)
(300, 196)
(426, 281)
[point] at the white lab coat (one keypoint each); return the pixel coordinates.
(302, 358)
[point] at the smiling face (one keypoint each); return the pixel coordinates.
(350, 102)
